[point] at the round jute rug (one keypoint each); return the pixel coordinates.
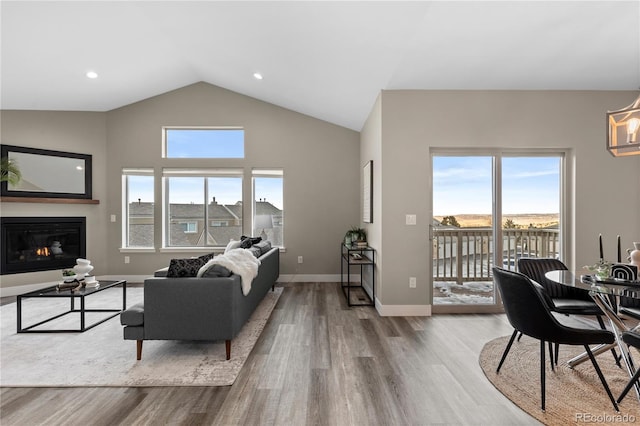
(573, 396)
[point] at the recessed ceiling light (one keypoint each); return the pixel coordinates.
(257, 76)
(92, 74)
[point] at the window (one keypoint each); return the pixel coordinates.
(189, 227)
(138, 208)
(268, 206)
(491, 208)
(195, 198)
(205, 142)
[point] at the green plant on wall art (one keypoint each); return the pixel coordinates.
(9, 171)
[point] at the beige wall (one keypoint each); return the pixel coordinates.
(607, 198)
(320, 162)
(81, 132)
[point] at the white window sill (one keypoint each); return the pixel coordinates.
(137, 250)
(191, 249)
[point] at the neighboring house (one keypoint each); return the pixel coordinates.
(187, 224)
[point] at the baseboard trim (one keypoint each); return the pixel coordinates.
(403, 310)
(314, 278)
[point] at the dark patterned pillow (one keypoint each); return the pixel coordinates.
(184, 267)
(206, 257)
(247, 242)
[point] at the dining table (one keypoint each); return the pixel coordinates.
(606, 294)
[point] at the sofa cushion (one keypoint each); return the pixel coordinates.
(184, 267)
(133, 315)
(264, 246)
(161, 272)
(233, 244)
(215, 271)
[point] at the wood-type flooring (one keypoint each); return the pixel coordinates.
(317, 362)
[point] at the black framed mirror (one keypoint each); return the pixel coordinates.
(47, 173)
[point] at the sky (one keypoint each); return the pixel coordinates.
(206, 143)
(463, 185)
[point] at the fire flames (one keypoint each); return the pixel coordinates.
(44, 251)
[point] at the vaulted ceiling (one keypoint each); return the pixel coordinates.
(329, 60)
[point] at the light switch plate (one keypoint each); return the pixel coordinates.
(411, 219)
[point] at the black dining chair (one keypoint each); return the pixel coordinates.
(631, 338)
(565, 300)
(528, 313)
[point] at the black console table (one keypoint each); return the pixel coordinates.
(352, 255)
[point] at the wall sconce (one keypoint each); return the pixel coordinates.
(623, 135)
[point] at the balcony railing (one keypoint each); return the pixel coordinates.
(466, 254)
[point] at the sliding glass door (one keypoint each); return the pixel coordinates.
(489, 210)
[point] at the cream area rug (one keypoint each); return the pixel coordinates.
(101, 357)
(573, 396)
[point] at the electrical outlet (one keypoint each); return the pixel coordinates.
(300, 259)
(412, 282)
(127, 259)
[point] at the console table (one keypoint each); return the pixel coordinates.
(352, 255)
(52, 292)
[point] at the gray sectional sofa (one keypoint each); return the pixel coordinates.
(192, 308)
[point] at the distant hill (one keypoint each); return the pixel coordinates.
(538, 220)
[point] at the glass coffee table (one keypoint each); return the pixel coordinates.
(72, 295)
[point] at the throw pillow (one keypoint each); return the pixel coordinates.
(233, 244)
(264, 246)
(255, 251)
(216, 271)
(184, 267)
(247, 242)
(206, 257)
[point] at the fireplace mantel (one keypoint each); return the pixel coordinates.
(48, 200)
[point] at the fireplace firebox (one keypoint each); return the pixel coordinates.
(31, 244)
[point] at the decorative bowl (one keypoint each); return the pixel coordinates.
(69, 278)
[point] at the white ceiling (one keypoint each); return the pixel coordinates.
(325, 59)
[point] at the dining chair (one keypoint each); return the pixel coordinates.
(565, 300)
(630, 306)
(631, 338)
(528, 312)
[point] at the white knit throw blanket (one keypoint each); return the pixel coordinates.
(239, 261)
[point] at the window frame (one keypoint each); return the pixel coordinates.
(125, 229)
(165, 140)
(205, 174)
(266, 173)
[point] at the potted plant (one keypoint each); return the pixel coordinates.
(355, 236)
(9, 171)
(602, 269)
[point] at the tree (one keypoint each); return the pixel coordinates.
(510, 224)
(451, 221)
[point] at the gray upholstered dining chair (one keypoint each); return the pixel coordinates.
(529, 313)
(565, 300)
(631, 338)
